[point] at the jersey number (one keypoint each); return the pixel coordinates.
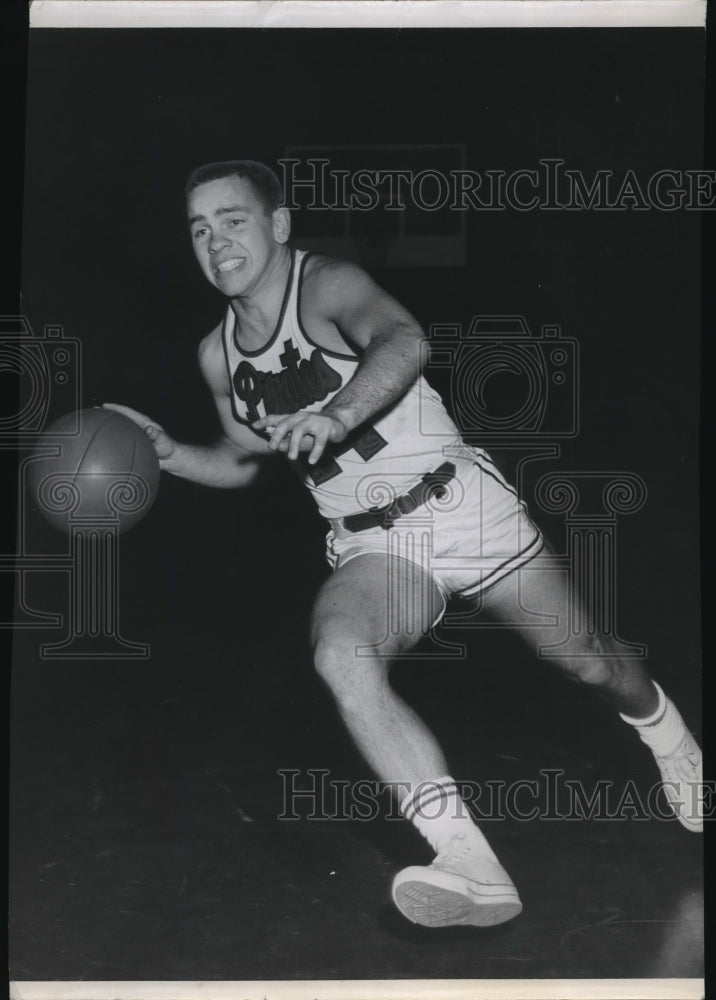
(366, 441)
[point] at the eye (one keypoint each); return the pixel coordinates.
(199, 232)
(236, 222)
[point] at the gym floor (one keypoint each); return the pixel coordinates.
(146, 799)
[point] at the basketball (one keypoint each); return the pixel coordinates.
(107, 472)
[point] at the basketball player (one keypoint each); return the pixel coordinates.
(314, 360)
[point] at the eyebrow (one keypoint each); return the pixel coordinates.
(220, 211)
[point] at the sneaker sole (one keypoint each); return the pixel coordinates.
(439, 899)
(689, 820)
(694, 826)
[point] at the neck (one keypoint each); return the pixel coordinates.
(257, 312)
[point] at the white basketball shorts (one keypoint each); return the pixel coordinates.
(478, 532)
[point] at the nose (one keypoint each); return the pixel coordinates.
(218, 242)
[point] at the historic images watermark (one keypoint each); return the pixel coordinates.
(313, 183)
(312, 794)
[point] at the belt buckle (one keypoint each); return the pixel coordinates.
(436, 484)
(389, 514)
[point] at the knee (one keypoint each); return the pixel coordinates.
(336, 642)
(333, 658)
(349, 675)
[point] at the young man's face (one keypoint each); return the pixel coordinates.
(233, 238)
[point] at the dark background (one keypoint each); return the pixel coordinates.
(221, 583)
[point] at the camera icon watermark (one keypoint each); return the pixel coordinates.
(505, 383)
(45, 374)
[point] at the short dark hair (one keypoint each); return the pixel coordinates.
(264, 181)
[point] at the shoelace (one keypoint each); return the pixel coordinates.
(685, 764)
(457, 853)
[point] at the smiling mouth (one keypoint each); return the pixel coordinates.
(229, 265)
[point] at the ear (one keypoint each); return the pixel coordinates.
(281, 225)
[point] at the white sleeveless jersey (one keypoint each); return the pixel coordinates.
(378, 460)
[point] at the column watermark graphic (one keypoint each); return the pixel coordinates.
(90, 503)
(591, 524)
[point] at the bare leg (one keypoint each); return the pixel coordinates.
(623, 682)
(542, 587)
(352, 610)
(466, 884)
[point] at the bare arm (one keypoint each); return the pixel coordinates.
(391, 359)
(388, 335)
(232, 461)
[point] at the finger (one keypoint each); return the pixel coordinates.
(157, 435)
(277, 439)
(282, 430)
(319, 445)
(154, 433)
(268, 422)
(305, 443)
(126, 411)
(296, 435)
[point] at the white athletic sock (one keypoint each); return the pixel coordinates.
(664, 729)
(439, 813)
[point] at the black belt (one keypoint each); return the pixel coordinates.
(431, 485)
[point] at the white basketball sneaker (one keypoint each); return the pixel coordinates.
(461, 886)
(678, 758)
(682, 774)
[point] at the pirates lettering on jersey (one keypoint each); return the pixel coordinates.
(292, 372)
(301, 381)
